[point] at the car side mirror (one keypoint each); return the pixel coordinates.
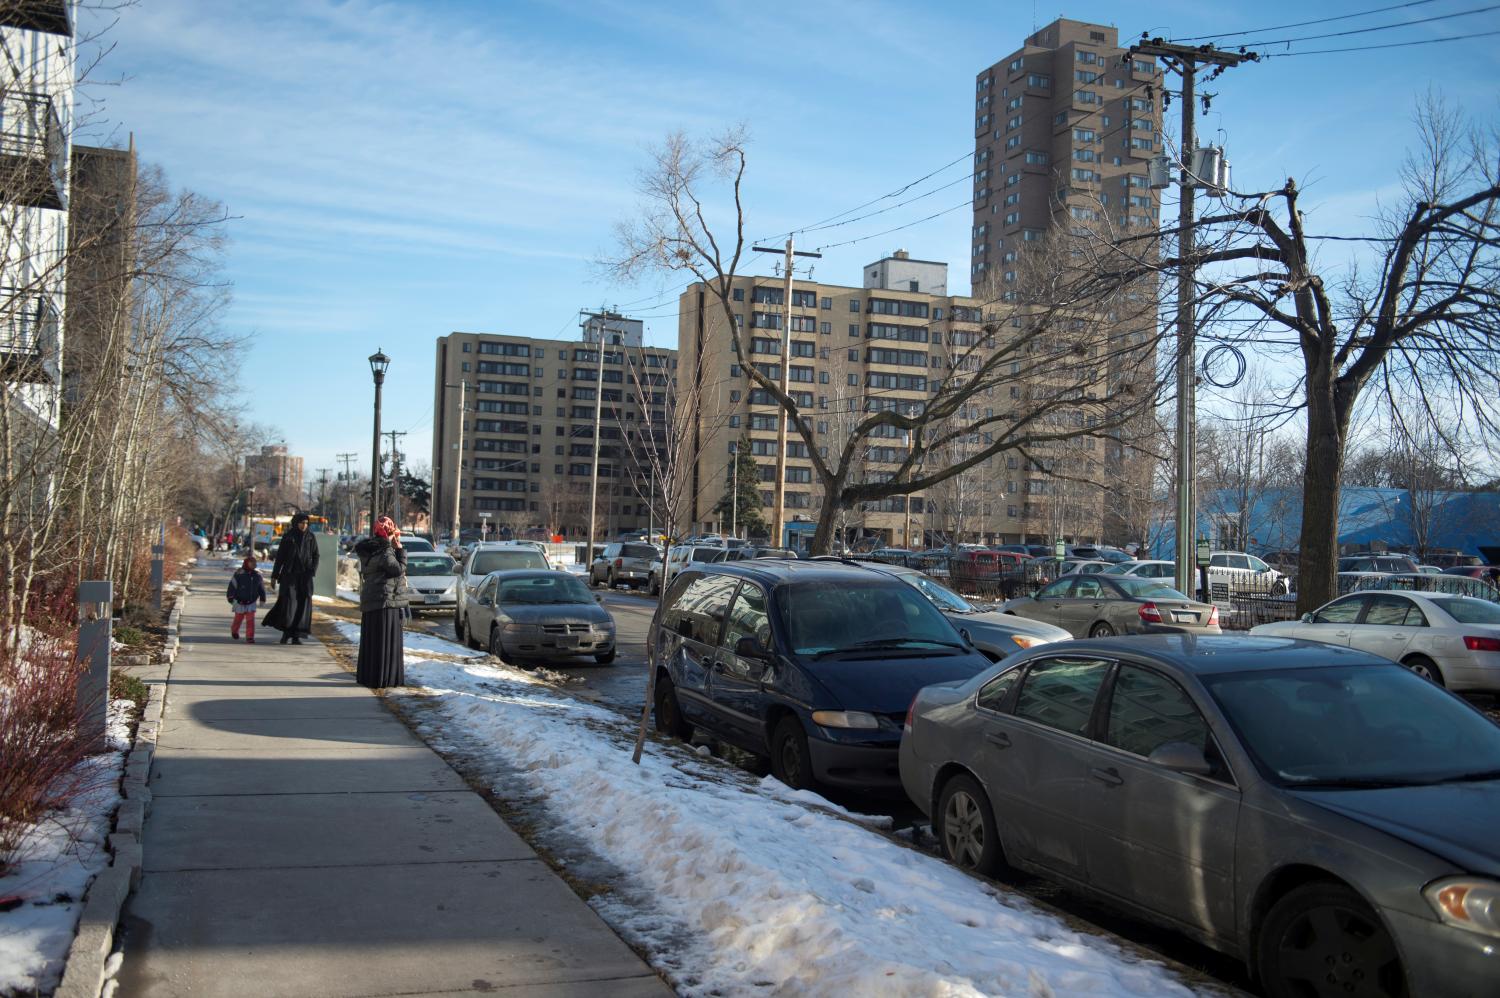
(486, 601)
(1307, 618)
(1180, 757)
(968, 638)
(750, 647)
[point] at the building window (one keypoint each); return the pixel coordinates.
(827, 303)
(854, 330)
(854, 381)
(739, 294)
(824, 328)
(854, 304)
(734, 396)
(466, 365)
(1036, 157)
(1039, 80)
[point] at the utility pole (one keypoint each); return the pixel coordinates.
(348, 460)
(322, 491)
(395, 474)
(734, 489)
(778, 507)
(458, 460)
(598, 321)
(1186, 59)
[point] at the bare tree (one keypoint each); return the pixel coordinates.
(1058, 331)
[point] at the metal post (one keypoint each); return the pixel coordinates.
(598, 416)
(158, 568)
(734, 490)
(95, 634)
(375, 458)
(458, 463)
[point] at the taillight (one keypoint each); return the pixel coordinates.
(1213, 617)
(619, 562)
(909, 712)
(1482, 644)
(1149, 614)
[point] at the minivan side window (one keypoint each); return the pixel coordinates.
(698, 612)
(748, 619)
(1060, 692)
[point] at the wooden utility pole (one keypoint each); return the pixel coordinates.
(458, 462)
(599, 324)
(348, 461)
(1186, 59)
(778, 507)
(395, 475)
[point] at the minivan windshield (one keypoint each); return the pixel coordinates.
(486, 562)
(945, 598)
(871, 617)
(1357, 726)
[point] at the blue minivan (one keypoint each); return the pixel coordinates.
(811, 665)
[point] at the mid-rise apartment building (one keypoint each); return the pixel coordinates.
(275, 475)
(36, 105)
(854, 350)
(521, 454)
(101, 263)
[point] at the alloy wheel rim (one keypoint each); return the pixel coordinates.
(1420, 670)
(963, 830)
(1339, 951)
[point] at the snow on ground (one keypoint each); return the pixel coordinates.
(415, 642)
(56, 862)
(738, 885)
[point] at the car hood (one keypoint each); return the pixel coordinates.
(1455, 821)
(888, 685)
(556, 613)
(1010, 623)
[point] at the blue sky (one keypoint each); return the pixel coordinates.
(400, 170)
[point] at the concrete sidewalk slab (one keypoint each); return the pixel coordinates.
(291, 830)
(177, 772)
(302, 841)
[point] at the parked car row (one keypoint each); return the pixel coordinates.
(1317, 811)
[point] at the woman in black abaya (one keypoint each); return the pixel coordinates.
(382, 605)
(296, 565)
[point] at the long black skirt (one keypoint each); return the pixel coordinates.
(292, 611)
(381, 662)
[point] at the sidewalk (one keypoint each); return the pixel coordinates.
(302, 842)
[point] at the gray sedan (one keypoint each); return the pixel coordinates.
(528, 614)
(1325, 815)
(1098, 606)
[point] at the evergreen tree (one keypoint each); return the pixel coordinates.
(740, 505)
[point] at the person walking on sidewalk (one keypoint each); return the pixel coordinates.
(296, 565)
(382, 606)
(246, 588)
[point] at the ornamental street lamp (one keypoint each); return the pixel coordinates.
(379, 364)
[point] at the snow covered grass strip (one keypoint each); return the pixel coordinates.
(415, 642)
(738, 885)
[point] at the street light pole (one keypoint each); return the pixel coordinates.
(458, 460)
(379, 364)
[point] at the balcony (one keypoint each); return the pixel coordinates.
(33, 153)
(55, 17)
(28, 337)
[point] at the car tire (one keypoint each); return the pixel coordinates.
(965, 827)
(791, 762)
(1424, 667)
(667, 712)
(467, 636)
(1323, 936)
(1279, 587)
(605, 657)
(1102, 630)
(655, 589)
(609, 581)
(497, 646)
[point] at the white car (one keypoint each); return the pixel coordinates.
(678, 558)
(1238, 571)
(1452, 640)
(1145, 569)
(1083, 567)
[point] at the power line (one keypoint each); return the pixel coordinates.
(1304, 24)
(884, 197)
(1391, 45)
(1366, 31)
(875, 235)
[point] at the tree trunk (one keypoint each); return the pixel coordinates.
(1318, 551)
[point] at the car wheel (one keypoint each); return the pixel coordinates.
(467, 635)
(497, 647)
(669, 719)
(654, 589)
(605, 657)
(1278, 588)
(609, 581)
(965, 827)
(791, 763)
(1101, 630)
(1323, 939)
(1424, 667)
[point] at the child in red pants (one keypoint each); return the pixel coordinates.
(246, 588)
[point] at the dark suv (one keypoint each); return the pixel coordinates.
(809, 664)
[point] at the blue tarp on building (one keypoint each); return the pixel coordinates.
(1460, 521)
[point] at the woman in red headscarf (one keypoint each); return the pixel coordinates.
(382, 605)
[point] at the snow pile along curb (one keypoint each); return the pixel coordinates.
(738, 885)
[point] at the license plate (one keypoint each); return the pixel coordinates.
(1184, 618)
(567, 641)
(433, 598)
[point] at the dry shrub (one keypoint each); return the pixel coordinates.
(39, 738)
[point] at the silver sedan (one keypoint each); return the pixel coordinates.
(528, 614)
(1096, 606)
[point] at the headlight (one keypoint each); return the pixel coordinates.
(1026, 641)
(514, 628)
(845, 719)
(1466, 903)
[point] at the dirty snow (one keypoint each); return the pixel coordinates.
(415, 642)
(739, 885)
(56, 862)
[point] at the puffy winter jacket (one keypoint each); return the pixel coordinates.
(246, 587)
(382, 572)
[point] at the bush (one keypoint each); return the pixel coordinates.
(128, 635)
(139, 616)
(38, 738)
(124, 686)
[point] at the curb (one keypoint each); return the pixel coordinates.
(84, 971)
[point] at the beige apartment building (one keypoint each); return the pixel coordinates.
(1064, 128)
(854, 350)
(522, 451)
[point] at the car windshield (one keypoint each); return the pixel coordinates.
(643, 551)
(945, 598)
(1148, 588)
(486, 562)
(708, 555)
(1119, 569)
(429, 564)
(537, 589)
(1356, 726)
(416, 544)
(862, 614)
(1467, 610)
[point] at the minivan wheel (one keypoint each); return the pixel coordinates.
(1424, 667)
(1322, 939)
(965, 827)
(1101, 630)
(668, 713)
(790, 761)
